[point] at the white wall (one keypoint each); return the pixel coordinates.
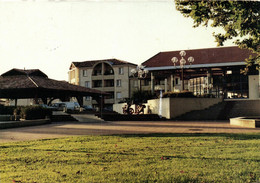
(253, 83)
(173, 107)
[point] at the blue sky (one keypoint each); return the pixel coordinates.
(49, 35)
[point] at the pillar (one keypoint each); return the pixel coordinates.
(44, 99)
(140, 84)
(165, 85)
(224, 83)
(152, 83)
(15, 102)
(259, 84)
(80, 100)
(209, 81)
(172, 80)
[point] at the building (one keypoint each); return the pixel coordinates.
(213, 71)
(110, 76)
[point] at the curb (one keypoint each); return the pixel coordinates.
(17, 124)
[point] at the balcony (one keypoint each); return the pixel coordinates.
(106, 89)
(97, 84)
(98, 77)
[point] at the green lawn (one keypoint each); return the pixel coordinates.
(134, 158)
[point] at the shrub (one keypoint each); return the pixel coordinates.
(34, 112)
(7, 109)
(17, 111)
(183, 94)
(140, 97)
(208, 96)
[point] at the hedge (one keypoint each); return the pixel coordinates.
(184, 94)
(8, 110)
(34, 112)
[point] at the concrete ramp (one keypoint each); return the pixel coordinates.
(88, 118)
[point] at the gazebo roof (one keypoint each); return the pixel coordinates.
(18, 83)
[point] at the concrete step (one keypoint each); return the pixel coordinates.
(89, 118)
(211, 113)
(224, 111)
(123, 117)
(244, 108)
(58, 116)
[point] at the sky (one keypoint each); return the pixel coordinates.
(50, 35)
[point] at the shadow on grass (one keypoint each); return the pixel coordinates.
(246, 136)
(201, 158)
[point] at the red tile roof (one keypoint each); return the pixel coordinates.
(91, 63)
(201, 56)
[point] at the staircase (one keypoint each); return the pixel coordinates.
(87, 118)
(215, 112)
(244, 108)
(224, 111)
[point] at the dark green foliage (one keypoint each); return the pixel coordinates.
(34, 112)
(6, 109)
(207, 95)
(239, 19)
(184, 94)
(17, 111)
(140, 97)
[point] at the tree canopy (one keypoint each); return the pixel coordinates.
(239, 19)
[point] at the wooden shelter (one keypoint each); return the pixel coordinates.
(23, 84)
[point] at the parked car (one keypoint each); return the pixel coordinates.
(58, 106)
(67, 106)
(47, 106)
(88, 108)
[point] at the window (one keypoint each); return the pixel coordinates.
(88, 98)
(109, 83)
(97, 83)
(121, 70)
(176, 81)
(147, 82)
(162, 82)
(84, 72)
(118, 82)
(87, 84)
(118, 95)
(135, 83)
(111, 96)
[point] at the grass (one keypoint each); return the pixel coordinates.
(134, 158)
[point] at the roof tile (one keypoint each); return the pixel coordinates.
(201, 56)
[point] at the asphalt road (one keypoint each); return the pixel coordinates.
(63, 129)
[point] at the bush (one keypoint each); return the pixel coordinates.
(34, 112)
(208, 96)
(183, 94)
(7, 109)
(140, 97)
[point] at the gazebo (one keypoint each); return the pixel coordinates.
(23, 84)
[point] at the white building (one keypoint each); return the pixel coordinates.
(110, 75)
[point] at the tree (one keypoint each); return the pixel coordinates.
(239, 19)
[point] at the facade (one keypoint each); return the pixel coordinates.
(110, 75)
(215, 72)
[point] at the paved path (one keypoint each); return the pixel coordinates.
(56, 130)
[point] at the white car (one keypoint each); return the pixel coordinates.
(71, 106)
(67, 106)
